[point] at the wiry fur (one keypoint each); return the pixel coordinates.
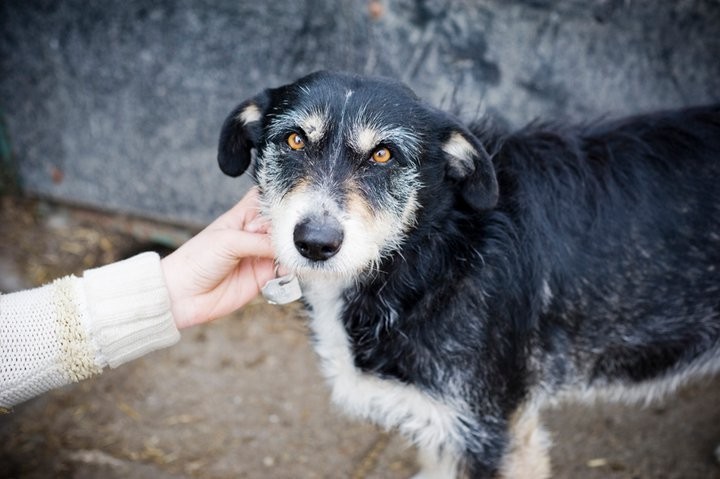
(482, 274)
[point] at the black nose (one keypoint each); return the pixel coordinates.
(318, 237)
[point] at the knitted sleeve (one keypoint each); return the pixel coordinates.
(71, 329)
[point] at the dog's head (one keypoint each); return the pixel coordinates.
(342, 161)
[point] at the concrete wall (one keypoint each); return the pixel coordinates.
(118, 104)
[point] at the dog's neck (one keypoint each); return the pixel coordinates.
(386, 313)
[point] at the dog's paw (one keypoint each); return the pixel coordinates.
(717, 454)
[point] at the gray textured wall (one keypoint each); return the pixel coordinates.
(118, 104)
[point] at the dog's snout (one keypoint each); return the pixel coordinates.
(318, 237)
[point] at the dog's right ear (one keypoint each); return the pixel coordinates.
(240, 133)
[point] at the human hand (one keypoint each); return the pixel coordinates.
(221, 268)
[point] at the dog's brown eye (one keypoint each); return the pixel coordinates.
(381, 155)
(296, 142)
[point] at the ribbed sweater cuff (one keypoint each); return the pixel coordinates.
(129, 308)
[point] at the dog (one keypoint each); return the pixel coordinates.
(459, 278)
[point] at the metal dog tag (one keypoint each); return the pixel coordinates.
(283, 290)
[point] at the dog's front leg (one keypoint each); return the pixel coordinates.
(436, 465)
(527, 455)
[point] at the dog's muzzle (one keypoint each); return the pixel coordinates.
(318, 237)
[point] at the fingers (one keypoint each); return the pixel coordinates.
(264, 271)
(243, 244)
(247, 208)
(259, 224)
(242, 213)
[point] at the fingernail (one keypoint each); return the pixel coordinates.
(257, 225)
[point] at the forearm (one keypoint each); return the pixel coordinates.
(72, 328)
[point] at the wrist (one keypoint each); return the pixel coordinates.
(180, 308)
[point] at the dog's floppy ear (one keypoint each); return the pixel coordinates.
(240, 133)
(470, 165)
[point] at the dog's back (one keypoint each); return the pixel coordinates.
(625, 219)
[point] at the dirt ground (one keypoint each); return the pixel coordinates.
(242, 397)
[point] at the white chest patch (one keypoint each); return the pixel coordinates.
(428, 422)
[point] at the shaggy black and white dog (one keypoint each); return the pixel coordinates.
(458, 279)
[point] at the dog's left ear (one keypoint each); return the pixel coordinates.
(469, 164)
(240, 133)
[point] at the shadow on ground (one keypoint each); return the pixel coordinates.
(242, 398)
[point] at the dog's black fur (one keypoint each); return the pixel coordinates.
(562, 261)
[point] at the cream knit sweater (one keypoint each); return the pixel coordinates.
(71, 329)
